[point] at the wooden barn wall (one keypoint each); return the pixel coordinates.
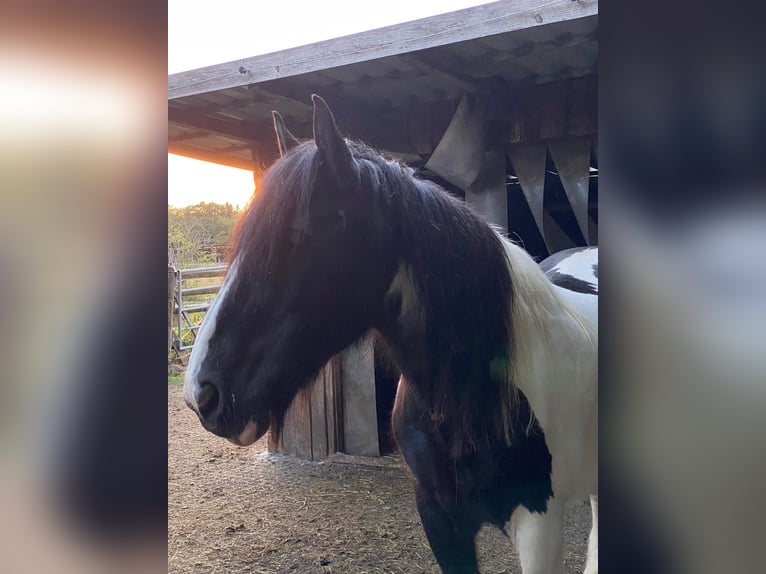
(337, 412)
(551, 111)
(311, 428)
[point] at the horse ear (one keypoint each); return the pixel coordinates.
(330, 143)
(285, 140)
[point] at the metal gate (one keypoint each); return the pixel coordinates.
(191, 301)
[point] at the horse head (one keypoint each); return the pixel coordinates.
(310, 268)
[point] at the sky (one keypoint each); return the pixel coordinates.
(201, 33)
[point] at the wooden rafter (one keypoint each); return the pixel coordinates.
(191, 118)
(240, 161)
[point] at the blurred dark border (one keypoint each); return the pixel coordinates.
(682, 135)
(681, 103)
(110, 476)
(117, 480)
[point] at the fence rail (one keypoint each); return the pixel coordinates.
(181, 308)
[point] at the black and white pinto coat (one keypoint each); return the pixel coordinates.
(523, 487)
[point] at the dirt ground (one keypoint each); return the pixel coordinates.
(236, 509)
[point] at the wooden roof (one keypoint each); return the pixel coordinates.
(395, 87)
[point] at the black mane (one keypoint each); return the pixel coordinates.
(458, 266)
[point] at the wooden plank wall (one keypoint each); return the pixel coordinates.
(360, 416)
(311, 429)
(555, 110)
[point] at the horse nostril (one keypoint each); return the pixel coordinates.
(207, 399)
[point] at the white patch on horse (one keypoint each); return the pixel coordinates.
(539, 538)
(411, 313)
(562, 395)
(199, 351)
(579, 265)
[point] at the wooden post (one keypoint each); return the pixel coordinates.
(572, 159)
(171, 292)
(528, 162)
(360, 417)
(459, 155)
(487, 194)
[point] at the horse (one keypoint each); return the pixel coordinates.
(495, 412)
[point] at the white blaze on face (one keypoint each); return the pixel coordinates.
(202, 341)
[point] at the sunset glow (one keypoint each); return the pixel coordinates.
(191, 181)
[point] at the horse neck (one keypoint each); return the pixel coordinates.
(448, 310)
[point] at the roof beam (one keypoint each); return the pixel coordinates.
(452, 27)
(189, 136)
(214, 157)
(234, 129)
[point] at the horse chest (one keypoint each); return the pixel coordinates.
(495, 482)
(485, 486)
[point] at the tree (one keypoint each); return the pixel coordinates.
(198, 234)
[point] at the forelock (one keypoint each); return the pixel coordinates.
(278, 208)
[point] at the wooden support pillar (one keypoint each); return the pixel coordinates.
(572, 159)
(460, 154)
(360, 417)
(487, 194)
(528, 162)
